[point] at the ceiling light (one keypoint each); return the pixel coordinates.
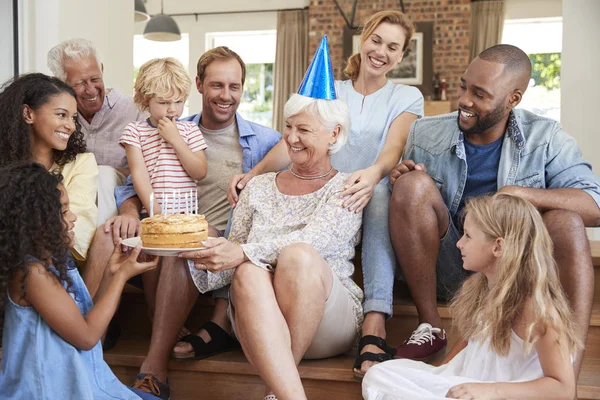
(162, 28)
(141, 15)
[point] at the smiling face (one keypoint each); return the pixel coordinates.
(308, 141)
(483, 99)
(170, 107)
(67, 215)
(85, 76)
(52, 124)
(381, 51)
(478, 250)
(221, 93)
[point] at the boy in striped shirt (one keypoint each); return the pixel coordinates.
(164, 155)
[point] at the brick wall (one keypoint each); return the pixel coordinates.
(451, 31)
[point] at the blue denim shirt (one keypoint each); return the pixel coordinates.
(256, 141)
(536, 153)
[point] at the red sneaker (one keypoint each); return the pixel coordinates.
(425, 342)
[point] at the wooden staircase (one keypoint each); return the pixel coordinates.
(230, 376)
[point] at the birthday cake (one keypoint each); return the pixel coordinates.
(174, 231)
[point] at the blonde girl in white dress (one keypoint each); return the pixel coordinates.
(515, 325)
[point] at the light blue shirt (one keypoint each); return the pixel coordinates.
(536, 153)
(256, 141)
(370, 120)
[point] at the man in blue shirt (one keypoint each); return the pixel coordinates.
(493, 147)
(234, 146)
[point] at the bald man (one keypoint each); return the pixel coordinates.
(487, 146)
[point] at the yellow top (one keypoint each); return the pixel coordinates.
(81, 181)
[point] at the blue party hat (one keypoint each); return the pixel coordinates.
(318, 80)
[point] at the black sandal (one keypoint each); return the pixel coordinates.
(220, 342)
(388, 354)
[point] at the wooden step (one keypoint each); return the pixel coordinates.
(231, 374)
(227, 375)
(595, 247)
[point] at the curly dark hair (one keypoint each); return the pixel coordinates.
(31, 222)
(34, 90)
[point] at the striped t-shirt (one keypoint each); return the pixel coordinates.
(167, 175)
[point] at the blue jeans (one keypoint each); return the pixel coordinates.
(449, 270)
(378, 257)
(379, 263)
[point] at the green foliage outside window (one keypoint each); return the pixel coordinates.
(546, 70)
(259, 86)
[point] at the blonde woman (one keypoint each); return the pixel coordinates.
(381, 114)
(517, 331)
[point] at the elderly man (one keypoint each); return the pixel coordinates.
(102, 114)
(234, 147)
(488, 146)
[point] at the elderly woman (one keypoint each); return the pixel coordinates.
(288, 257)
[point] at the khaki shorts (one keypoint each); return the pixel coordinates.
(337, 332)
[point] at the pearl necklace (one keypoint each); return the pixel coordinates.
(309, 178)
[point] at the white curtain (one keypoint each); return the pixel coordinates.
(487, 24)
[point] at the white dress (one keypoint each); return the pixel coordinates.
(407, 379)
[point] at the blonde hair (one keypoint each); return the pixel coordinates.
(221, 53)
(390, 16)
(330, 113)
(526, 272)
(160, 77)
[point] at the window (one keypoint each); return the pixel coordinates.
(541, 39)
(257, 49)
(145, 50)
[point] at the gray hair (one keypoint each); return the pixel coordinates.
(331, 113)
(72, 49)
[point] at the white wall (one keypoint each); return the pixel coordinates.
(6, 40)
(107, 23)
(580, 86)
(518, 9)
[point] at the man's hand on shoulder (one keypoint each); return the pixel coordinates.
(405, 167)
(236, 184)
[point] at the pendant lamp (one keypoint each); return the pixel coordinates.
(162, 28)
(141, 15)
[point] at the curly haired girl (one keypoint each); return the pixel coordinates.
(516, 328)
(49, 318)
(39, 123)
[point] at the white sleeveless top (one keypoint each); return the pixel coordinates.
(407, 379)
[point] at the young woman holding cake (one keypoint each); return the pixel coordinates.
(381, 114)
(51, 344)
